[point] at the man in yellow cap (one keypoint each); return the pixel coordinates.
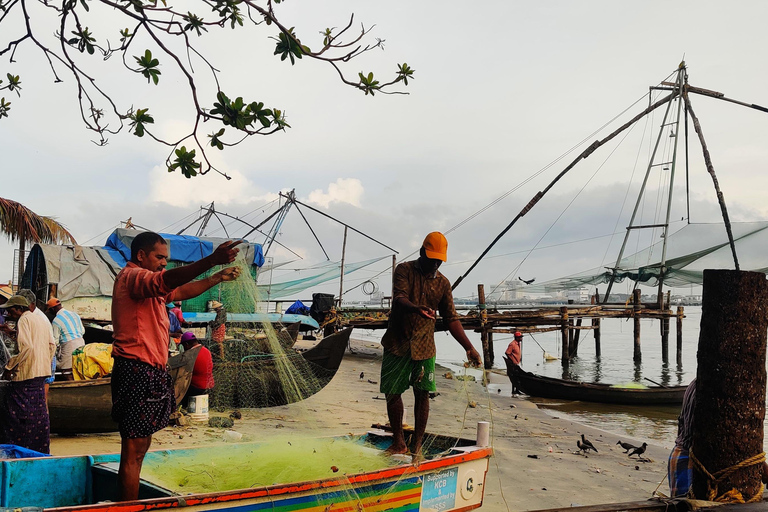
(419, 290)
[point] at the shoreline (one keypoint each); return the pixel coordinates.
(519, 430)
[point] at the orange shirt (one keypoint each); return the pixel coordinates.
(139, 315)
(513, 352)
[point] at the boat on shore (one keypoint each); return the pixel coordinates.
(548, 387)
(451, 478)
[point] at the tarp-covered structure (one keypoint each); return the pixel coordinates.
(80, 273)
(690, 250)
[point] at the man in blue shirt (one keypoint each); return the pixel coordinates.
(68, 330)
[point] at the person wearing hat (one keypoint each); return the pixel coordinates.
(68, 330)
(202, 375)
(142, 388)
(24, 418)
(515, 355)
(419, 290)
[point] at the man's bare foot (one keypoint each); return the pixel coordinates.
(418, 458)
(396, 449)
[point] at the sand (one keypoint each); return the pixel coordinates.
(536, 464)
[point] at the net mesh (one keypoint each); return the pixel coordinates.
(255, 364)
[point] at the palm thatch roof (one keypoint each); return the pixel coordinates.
(18, 222)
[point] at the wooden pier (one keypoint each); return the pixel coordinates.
(569, 320)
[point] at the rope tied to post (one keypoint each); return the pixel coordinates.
(714, 480)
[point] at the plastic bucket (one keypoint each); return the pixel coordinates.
(198, 407)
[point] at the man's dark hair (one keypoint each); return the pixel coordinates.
(144, 241)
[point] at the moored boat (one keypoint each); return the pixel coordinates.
(548, 387)
(451, 479)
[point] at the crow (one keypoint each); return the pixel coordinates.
(584, 448)
(587, 443)
(526, 281)
(626, 446)
(639, 451)
(362, 375)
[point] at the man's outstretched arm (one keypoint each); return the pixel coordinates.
(224, 254)
(195, 288)
(457, 331)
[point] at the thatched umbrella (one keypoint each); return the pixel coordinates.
(20, 223)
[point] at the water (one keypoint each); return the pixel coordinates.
(615, 366)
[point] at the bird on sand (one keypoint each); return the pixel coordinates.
(584, 448)
(526, 281)
(586, 442)
(362, 375)
(626, 446)
(639, 451)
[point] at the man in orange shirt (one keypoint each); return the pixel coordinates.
(515, 355)
(142, 388)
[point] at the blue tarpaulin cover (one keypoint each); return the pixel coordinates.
(12, 451)
(183, 248)
(297, 308)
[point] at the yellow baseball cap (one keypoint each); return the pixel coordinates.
(436, 246)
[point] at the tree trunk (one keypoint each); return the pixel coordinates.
(730, 380)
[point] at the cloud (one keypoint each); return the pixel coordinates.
(173, 189)
(343, 190)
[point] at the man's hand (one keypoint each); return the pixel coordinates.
(226, 252)
(228, 274)
(425, 312)
(474, 358)
(7, 374)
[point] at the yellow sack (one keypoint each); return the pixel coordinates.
(92, 361)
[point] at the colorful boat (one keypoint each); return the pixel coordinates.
(451, 479)
(548, 387)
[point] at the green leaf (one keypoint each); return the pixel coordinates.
(185, 161)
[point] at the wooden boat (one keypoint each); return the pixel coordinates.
(547, 387)
(245, 379)
(451, 479)
(85, 406)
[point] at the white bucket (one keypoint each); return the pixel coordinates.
(198, 407)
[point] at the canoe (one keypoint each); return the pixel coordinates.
(85, 406)
(451, 479)
(548, 387)
(251, 379)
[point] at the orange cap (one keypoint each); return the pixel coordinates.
(518, 334)
(53, 303)
(436, 246)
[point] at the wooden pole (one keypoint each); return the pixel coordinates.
(679, 325)
(730, 381)
(565, 358)
(341, 276)
(665, 339)
(570, 337)
(487, 354)
(576, 335)
(637, 356)
(22, 244)
(596, 325)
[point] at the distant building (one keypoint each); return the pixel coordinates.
(513, 290)
(578, 295)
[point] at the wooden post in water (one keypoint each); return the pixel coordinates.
(638, 355)
(570, 337)
(487, 352)
(730, 383)
(576, 334)
(679, 325)
(596, 325)
(565, 357)
(665, 329)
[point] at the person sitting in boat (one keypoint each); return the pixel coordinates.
(409, 342)
(142, 388)
(515, 355)
(202, 375)
(24, 418)
(68, 331)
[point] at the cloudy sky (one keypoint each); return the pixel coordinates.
(502, 90)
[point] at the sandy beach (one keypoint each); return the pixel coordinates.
(536, 464)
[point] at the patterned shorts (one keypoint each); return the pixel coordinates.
(679, 472)
(142, 398)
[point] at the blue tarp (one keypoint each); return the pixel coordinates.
(183, 248)
(297, 308)
(12, 451)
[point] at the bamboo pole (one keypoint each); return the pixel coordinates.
(679, 325)
(565, 358)
(596, 326)
(341, 275)
(487, 354)
(637, 355)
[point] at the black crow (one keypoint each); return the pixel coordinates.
(526, 281)
(584, 448)
(639, 451)
(626, 446)
(586, 442)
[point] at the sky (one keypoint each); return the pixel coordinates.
(501, 91)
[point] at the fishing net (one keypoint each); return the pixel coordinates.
(690, 250)
(255, 365)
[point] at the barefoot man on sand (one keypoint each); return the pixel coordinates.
(409, 343)
(142, 388)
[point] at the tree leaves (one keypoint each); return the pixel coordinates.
(288, 46)
(4, 108)
(185, 161)
(241, 116)
(405, 73)
(195, 23)
(215, 141)
(138, 120)
(83, 41)
(368, 84)
(148, 67)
